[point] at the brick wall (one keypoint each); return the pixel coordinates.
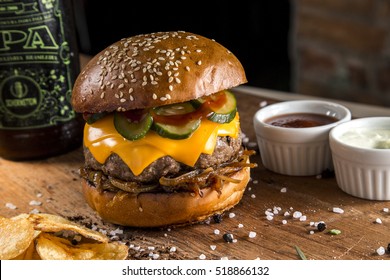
(341, 49)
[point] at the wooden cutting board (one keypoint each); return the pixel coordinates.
(53, 186)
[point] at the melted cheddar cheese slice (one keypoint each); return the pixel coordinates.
(102, 139)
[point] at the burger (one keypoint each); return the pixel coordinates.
(162, 140)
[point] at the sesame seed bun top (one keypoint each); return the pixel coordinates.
(155, 69)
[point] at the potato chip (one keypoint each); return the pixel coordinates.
(51, 247)
(30, 254)
(16, 235)
(53, 223)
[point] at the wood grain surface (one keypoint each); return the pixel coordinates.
(55, 183)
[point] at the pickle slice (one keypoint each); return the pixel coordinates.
(174, 109)
(175, 121)
(223, 106)
(134, 124)
(176, 131)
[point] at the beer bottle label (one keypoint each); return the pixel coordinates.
(36, 64)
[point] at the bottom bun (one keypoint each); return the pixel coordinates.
(164, 209)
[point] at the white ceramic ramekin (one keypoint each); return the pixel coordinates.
(361, 171)
(297, 151)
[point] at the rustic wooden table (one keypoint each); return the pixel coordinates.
(53, 186)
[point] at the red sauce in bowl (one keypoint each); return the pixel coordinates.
(300, 120)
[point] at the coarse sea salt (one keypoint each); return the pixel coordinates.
(202, 256)
(268, 212)
(232, 215)
(283, 190)
(213, 247)
(338, 210)
(263, 103)
(35, 203)
(10, 205)
(216, 231)
(381, 251)
(252, 234)
(269, 217)
(378, 221)
(297, 214)
(173, 249)
(34, 211)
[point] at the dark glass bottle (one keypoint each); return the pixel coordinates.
(38, 66)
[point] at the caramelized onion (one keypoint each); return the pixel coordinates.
(193, 181)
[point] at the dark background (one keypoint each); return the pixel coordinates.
(257, 32)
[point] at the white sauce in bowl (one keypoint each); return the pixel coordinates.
(374, 138)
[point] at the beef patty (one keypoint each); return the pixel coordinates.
(227, 149)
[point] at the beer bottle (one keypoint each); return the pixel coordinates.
(38, 66)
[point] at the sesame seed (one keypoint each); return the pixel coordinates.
(187, 68)
(123, 100)
(131, 98)
(102, 94)
(170, 87)
(154, 96)
(199, 62)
